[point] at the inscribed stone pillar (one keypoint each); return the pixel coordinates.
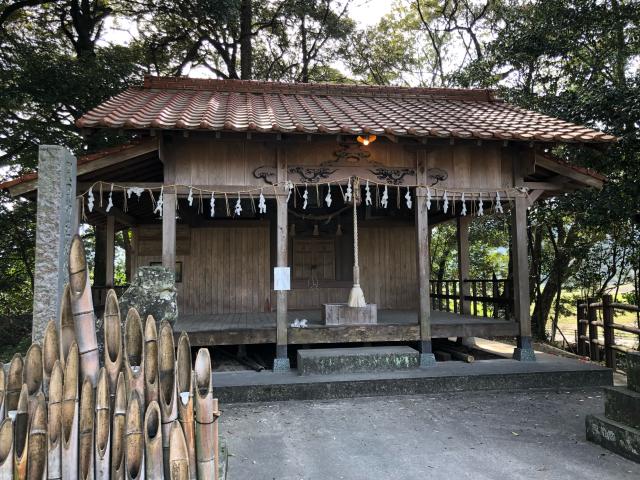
(55, 221)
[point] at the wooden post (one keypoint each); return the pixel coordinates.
(168, 212)
(609, 333)
(281, 362)
(110, 250)
(463, 261)
(594, 348)
(524, 349)
(581, 328)
(422, 239)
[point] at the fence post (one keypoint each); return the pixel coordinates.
(609, 332)
(594, 348)
(581, 328)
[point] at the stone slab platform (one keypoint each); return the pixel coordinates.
(548, 372)
(622, 405)
(615, 436)
(356, 360)
(633, 370)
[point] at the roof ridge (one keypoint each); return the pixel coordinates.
(261, 86)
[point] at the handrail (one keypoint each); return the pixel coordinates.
(588, 324)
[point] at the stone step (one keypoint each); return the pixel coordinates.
(356, 360)
(622, 405)
(615, 436)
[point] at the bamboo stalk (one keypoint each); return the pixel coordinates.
(32, 373)
(85, 435)
(150, 361)
(67, 326)
(14, 383)
(6, 449)
(154, 467)
(184, 380)
(118, 430)
(178, 455)
(3, 391)
(167, 383)
(102, 427)
(206, 416)
(134, 354)
(37, 459)
(50, 354)
(82, 308)
(134, 452)
(21, 432)
(70, 405)
(112, 342)
(54, 443)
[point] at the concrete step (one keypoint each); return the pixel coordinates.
(615, 436)
(622, 405)
(356, 360)
(633, 370)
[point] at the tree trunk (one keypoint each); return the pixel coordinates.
(246, 48)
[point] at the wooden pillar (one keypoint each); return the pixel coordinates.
(110, 251)
(524, 349)
(422, 253)
(463, 261)
(281, 362)
(168, 212)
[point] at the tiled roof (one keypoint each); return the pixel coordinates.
(237, 105)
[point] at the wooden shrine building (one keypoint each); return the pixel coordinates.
(227, 180)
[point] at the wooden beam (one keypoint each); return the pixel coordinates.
(463, 224)
(120, 216)
(110, 250)
(534, 195)
(567, 171)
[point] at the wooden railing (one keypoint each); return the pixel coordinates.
(589, 327)
(486, 298)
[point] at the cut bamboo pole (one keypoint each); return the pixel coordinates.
(37, 458)
(178, 455)
(85, 435)
(112, 342)
(150, 361)
(54, 443)
(6, 449)
(134, 452)
(184, 380)
(21, 432)
(3, 392)
(153, 461)
(82, 308)
(14, 383)
(70, 405)
(32, 373)
(67, 326)
(134, 354)
(118, 430)
(102, 427)
(167, 382)
(206, 416)
(50, 354)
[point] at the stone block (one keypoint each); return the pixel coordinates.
(152, 292)
(356, 360)
(633, 370)
(622, 405)
(343, 314)
(615, 436)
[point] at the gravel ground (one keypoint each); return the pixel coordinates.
(479, 435)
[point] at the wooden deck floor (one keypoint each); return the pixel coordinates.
(392, 326)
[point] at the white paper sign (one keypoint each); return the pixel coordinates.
(282, 278)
